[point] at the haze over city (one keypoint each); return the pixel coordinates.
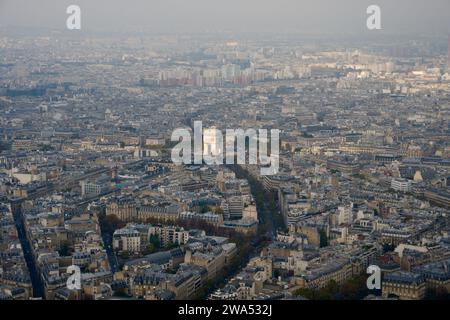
(237, 16)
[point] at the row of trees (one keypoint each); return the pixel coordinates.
(247, 245)
(356, 289)
(236, 264)
(189, 224)
(353, 289)
(110, 223)
(440, 293)
(266, 201)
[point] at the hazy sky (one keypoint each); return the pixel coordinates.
(304, 16)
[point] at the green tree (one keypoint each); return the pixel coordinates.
(45, 147)
(154, 240)
(124, 255)
(355, 288)
(306, 293)
(218, 210)
(170, 245)
(111, 223)
(64, 249)
(440, 293)
(149, 248)
(323, 238)
(387, 247)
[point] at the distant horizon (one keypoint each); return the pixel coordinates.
(322, 17)
(22, 31)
